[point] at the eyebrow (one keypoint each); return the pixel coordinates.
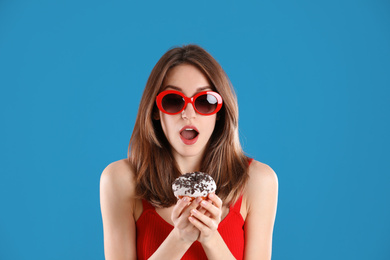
(180, 89)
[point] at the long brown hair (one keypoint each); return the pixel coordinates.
(150, 153)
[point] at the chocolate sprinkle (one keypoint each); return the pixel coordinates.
(194, 182)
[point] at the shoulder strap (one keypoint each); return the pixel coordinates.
(237, 206)
(250, 161)
(146, 206)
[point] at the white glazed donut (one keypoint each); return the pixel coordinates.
(193, 185)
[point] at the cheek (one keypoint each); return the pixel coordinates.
(211, 125)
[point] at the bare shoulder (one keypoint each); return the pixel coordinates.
(118, 204)
(119, 177)
(261, 197)
(262, 184)
(261, 172)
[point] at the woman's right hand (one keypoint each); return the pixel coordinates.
(186, 231)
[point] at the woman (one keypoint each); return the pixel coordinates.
(187, 121)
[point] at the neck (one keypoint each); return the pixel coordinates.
(188, 164)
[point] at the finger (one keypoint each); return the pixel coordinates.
(194, 204)
(190, 206)
(179, 207)
(203, 210)
(200, 226)
(215, 199)
(212, 209)
(197, 217)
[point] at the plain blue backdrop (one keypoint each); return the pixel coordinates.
(312, 80)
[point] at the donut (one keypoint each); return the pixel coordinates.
(193, 185)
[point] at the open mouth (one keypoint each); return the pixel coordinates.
(189, 133)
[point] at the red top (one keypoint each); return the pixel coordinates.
(152, 230)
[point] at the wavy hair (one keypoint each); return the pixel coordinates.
(150, 153)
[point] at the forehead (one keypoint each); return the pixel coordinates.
(186, 78)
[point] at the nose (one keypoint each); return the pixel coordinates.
(188, 112)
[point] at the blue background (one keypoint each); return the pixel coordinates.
(312, 79)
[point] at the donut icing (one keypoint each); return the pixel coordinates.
(193, 184)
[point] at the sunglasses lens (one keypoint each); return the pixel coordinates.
(172, 103)
(206, 104)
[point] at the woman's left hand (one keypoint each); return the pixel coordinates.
(207, 218)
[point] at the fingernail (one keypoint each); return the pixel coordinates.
(204, 203)
(211, 195)
(194, 211)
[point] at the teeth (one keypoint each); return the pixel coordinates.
(189, 129)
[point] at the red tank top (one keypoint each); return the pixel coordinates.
(152, 230)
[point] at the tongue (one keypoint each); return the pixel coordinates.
(189, 134)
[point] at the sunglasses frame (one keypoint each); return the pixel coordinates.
(187, 100)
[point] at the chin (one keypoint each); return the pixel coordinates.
(189, 152)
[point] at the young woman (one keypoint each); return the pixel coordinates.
(187, 121)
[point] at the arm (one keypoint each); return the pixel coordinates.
(183, 234)
(207, 219)
(117, 205)
(261, 201)
(117, 200)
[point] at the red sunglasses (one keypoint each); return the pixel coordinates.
(205, 103)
